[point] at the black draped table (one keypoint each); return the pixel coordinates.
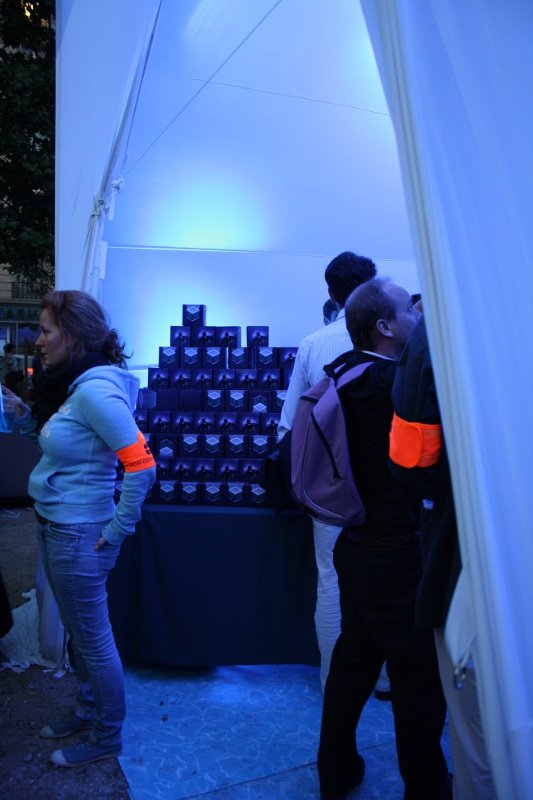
(198, 586)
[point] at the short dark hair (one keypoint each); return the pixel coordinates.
(364, 307)
(83, 320)
(9, 347)
(346, 272)
(329, 310)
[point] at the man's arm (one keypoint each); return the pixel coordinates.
(299, 384)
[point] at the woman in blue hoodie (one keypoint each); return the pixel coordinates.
(83, 421)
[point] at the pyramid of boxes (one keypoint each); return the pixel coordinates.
(210, 412)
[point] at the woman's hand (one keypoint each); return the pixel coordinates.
(20, 406)
(100, 543)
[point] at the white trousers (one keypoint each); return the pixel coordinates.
(472, 778)
(328, 612)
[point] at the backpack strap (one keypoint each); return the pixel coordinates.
(351, 374)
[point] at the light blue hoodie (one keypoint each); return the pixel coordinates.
(74, 480)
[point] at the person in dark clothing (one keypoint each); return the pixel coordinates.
(6, 617)
(419, 459)
(379, 568)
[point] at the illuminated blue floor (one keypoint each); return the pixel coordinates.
(241, 733)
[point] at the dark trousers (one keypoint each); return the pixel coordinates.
(377, 594)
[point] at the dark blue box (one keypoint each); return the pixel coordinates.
(268, 424)
(261, 445)
(191, 445)
(286, 356)
(214, 400)
(227, 470)
(191, 357)
(164, 492)
(158, 421)
(180, 335)
(162, 468)
(181, 421)
(157, 378)
(165, 445)
(260, 400)
(203, 421)
(248, 423)
(269, 378)
(265, 357)
(147, 398)
(251, 470)
(169, 357)
(214, 358)
(215, 445)
(181, 468)
(236, 400)
(179, 377)
(239, 358)
(202, 378)
(168, 399)
(223, 379)
(245, 378)
(236, 494)
(193, 315)
(190, 493)
(190, 400)
(257, 496)
(228, 336)
(202, 336)
(215, 494)
(237, 445)
(257, 335)
(203, 469)
(226, 422)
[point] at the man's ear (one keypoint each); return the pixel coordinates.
(383, 328)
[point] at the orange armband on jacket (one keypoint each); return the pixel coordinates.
(136, 457)
(414, 444)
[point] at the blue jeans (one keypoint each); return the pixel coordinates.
(77, 574)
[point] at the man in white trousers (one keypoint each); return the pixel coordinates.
(344, 274)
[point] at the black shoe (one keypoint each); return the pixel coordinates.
(379, 695)
(444, 793)
(342, 795)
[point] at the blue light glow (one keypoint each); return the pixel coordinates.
(210, 210)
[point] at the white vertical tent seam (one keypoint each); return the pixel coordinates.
(94, 249)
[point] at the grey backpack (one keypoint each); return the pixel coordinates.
(321, 474)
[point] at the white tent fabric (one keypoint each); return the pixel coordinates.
(260, 147)
(101, 55)
(458, 81)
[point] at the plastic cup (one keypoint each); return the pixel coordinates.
(8, 412)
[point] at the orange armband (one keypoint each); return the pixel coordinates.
(136, 457)
(414, 444)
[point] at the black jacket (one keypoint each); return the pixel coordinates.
(391, 508)
(415, 400)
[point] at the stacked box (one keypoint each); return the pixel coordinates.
(210, 412)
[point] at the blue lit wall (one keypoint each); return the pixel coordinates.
(263, 144)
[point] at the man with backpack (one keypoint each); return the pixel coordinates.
(343, 274)
(378, 562)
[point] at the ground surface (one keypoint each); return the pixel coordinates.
(31, 698)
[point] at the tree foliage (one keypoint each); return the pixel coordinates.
(27, 120)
